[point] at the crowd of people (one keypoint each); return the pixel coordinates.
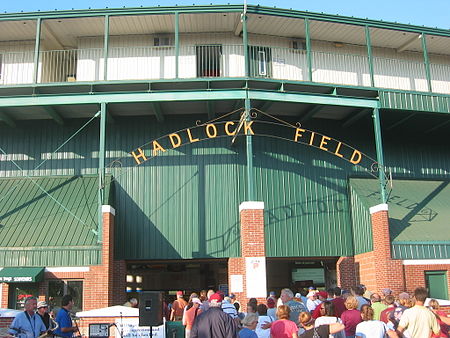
(313, 313)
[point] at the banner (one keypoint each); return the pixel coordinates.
(129, 327)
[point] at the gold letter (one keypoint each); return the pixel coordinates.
(248, 127)
(298, 134)
(353, 160)
(190, 136)
(214, 134)
(140, 155)
(312, 138)
(157, 147)
(324, 143)
(173, 138)
(336, 152)
(229, 133)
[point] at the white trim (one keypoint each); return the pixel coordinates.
(109, 209)
(251, 205)
(68, 269)
(426, 261)
(379, 207)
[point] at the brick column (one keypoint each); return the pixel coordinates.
(4, 295)
(120, 282)
(345, 272)
(98, 283)
(377, 269)
(253, 254)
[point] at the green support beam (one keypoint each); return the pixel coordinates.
(380, 156)
(308, 50)
(401, 121)
(194, 95)
(177, 43)
(266, 105)
(426, 61)
(156, 106)
(54, 115)
(8, 120)
(37, 47)
(245, 43)
(370, 56)
(210, 109)
(249, 151)
(101, 169)
(106, 48)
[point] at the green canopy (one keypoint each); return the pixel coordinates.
(21, 275)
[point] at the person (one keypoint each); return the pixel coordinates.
(178, 306)
(323, 331)
(271, 310)
(389, 301)
(441, 317)
(370, 327)
(249, 324)
(27, 324)
(358, 293)
(283, 327)
(205, 302)
(262, 319)
(132, 302)
(42, 311)
(405, 302)
(65, 325)
(338, 302)
(328, 317)
(419, 320)
(294, 307)
(377, 305)
(351, 317)
(190, 315)
(214, 323)
(229, 308)
(312, 301)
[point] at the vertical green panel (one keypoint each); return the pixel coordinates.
(437, 284)
(361, 223)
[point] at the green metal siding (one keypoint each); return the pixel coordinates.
(39, 230)
(414, 101)
(306, 208)
(420, 250)
(361, 223)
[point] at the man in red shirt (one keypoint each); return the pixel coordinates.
(178, 307)
(338, 302)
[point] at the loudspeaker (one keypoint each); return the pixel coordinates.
(150, 308)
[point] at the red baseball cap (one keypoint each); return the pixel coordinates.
(322, 294)
(215, 296)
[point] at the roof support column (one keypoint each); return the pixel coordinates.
(380, 156)
(106, 48)
(245, 42)
(426, 61)
(177, 42)
(37, 47)
(308, 49)
(370, 56)
(101, 169)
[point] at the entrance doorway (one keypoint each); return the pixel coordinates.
(436, 282)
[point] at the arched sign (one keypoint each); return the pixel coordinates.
(234, 128)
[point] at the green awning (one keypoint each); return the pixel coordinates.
(21, 275)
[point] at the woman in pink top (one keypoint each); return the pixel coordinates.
(351, 317)
(283, 327)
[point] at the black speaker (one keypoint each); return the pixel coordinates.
(150, 308)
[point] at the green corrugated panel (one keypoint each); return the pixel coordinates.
(305, 195)
(420, 250)
(31, 220)
(418, 209)
(361, 223)
(414, 101)
(183, 203)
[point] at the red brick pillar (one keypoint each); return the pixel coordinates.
(244, 271)
(98, 283)
(376, 269)
(345, 272)
(4, 290)
(120, 282)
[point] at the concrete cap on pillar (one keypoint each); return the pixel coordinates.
(109, 209)
(379, 207)
(251, 205)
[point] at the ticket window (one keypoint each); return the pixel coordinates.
(19, 292)
(58, 288)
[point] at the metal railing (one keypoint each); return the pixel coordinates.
(215, 60)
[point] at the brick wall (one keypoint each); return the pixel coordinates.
(4, 297)
(345, 272)
(5, 322)
(119, 282)
(415, 275)
(252, 245)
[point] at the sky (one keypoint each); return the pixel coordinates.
(431, 13)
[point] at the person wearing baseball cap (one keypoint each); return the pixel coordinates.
(214, 322)
(190, 315)
(178, 307)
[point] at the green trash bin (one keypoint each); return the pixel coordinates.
(174, 330)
